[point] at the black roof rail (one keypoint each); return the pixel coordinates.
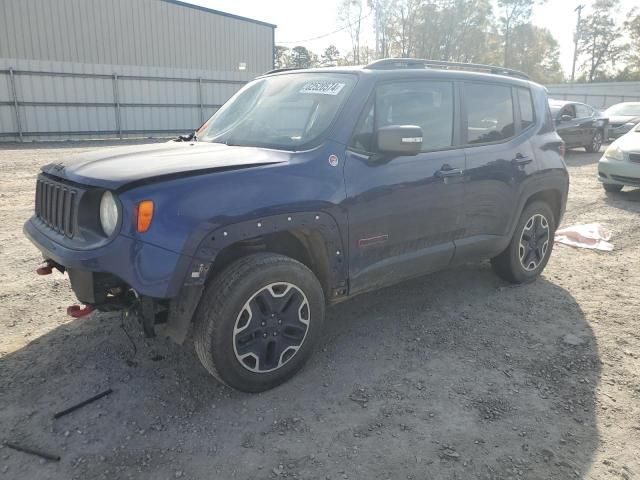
(278, 70)
(394, 63)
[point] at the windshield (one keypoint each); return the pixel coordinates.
(624, 109)
(288, 112)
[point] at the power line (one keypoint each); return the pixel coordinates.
(330, 33)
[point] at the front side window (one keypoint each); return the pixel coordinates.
(489, 112)
(425, 104)
(582, 111)
(569, 110)
(288, 112)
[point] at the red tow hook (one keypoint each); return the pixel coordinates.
(76, 311)
(44, 270)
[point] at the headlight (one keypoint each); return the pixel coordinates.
(614, 153)
(108, 213)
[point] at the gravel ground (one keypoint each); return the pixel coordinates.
(454, 376)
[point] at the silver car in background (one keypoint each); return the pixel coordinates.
(622, 118)
(620, 164)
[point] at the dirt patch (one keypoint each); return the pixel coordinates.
(456, 375)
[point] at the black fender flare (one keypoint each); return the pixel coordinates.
(184, 305)
(550, 180)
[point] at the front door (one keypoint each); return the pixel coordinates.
(404, 211)
(568, 129)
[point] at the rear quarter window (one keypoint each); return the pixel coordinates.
(527, 116)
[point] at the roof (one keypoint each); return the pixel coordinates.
(400, 73)
(218, 12)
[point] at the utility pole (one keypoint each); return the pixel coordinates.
(576, 37)
(376, 19)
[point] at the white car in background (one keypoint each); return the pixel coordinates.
(620, 164)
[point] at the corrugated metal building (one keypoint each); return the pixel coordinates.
(95, 68)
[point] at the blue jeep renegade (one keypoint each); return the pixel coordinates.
(305, 188)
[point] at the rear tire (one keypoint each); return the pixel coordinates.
(596, 142)
(258, 321)
(611, 187)
(527, 254)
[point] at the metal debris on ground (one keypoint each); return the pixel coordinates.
(82, 404)
(33, 451)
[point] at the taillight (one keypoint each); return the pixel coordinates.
(562, 149)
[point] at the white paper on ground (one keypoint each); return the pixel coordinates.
(589, 235)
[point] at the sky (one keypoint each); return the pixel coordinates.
(301, 21)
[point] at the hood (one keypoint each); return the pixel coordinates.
(116, 167)
(629, 142)
(624, 119)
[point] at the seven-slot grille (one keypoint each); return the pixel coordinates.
(56, 205)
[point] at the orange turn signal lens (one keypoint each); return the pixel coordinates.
(145, 215)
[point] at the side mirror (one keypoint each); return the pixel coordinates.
(566, 118)
(401, 139)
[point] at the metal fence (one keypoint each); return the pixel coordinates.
(126, 94)
(597, 100)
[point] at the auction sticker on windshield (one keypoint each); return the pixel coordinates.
(323, 87)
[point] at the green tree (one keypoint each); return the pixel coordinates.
(330, 57)
(281, 56)
(456, 30)
(514, 13)
(465, 27)
(467, 31)
(301, 57)
(632, 29)
(536, 52)
(350, 15)
(600, 40)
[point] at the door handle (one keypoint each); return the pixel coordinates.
(450, 172)
(521, 160)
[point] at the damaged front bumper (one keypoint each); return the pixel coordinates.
(123, 273)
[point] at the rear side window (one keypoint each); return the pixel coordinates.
(526, 108)
(428, 105)
(489, 112)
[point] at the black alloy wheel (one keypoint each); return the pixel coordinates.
(271, 327)
(534, 242)
(596, 142)
(258, 321)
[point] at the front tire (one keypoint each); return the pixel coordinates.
(258, 321)
(527, 254)
(596, 143)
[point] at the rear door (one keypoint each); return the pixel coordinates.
(404, 211)
(496, 131)
(586, 123)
